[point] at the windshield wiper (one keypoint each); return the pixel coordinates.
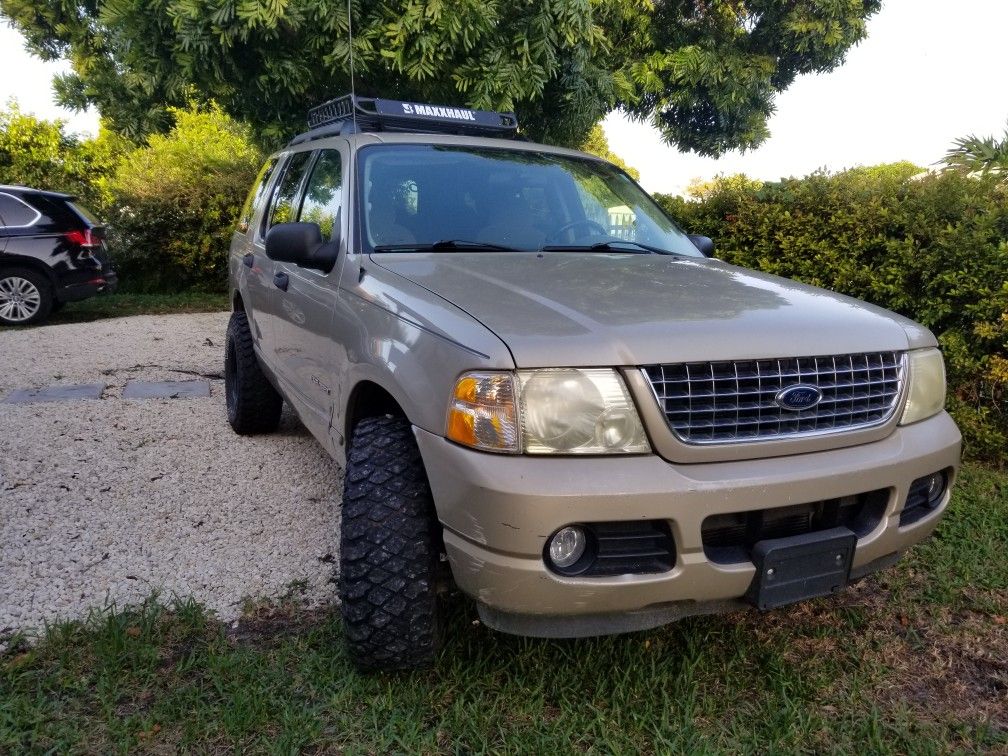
(443, 245)
(614, 245)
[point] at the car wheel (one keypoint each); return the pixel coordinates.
(25, 297)
(253, 405)
(390, 550)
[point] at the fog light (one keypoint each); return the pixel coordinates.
(924, 496)
(566, 546)
(935, 487)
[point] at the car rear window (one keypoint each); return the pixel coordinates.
(14, 212)
(86, 214)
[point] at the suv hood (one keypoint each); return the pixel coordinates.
(590, 309)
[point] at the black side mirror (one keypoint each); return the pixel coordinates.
(301, 244)
(703, 243)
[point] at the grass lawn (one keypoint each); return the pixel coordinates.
(119, 305)
(912, 661)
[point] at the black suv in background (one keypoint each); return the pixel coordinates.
(52, 251)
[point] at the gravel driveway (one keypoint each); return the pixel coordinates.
(104, 501)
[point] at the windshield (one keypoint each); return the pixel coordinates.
(466, 198)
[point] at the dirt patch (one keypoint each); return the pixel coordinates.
(942, 664)
(267, 624)
(948, 666)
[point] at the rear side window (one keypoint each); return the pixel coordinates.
(323, 195)
(257, 197)
(15, 213)
(284, 208)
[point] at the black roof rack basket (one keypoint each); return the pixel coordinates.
(351, 113)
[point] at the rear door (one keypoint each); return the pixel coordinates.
(304, 344)
(260, 275)
(3, 231)
(245, 264)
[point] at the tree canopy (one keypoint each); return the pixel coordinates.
(598, 144)
(704, 72)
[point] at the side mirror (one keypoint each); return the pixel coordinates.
(703, 243)
(301, 244)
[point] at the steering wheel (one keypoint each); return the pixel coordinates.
(592, 225)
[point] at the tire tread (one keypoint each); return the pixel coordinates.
(390, 549)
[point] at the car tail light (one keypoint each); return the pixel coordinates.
(84, 238)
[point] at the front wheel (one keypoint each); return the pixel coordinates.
(390, 547)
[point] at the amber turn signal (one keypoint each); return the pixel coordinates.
(483, 412)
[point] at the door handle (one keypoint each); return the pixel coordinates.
(249, 260)
(280, 280)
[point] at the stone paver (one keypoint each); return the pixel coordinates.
(165, 389)
(56, 394)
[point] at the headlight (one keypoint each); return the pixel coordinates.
(564, 411)
(578, 412)
(926, 396)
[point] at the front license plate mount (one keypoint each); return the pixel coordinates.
(800, 567)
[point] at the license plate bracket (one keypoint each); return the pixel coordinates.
(800, 567)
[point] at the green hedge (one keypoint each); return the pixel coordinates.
(42, 154)
(175, 202)
(170, 204)
(933, 247)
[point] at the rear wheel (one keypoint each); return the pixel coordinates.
(390, 549)
(25, 297)
(253, 405)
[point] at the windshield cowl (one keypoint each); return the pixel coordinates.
(618, 245)
(445, 245)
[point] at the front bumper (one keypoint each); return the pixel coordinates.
(498, 512)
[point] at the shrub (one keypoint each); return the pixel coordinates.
(933, 247)
(39, 153)
(176, 201)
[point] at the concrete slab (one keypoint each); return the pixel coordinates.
(165, 389)
(56, 394)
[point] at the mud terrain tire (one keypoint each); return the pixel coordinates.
(390, 547)
(253, 405)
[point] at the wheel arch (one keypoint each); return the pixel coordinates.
(369, 399)
(8, 261)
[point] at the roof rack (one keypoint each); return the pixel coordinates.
(349, 114)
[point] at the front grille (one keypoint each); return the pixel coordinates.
(736, 401)
(729, 538)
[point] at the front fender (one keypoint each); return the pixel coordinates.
(411, 343)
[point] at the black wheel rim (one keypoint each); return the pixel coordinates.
(20, 299)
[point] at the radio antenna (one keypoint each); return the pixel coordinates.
(353, 91)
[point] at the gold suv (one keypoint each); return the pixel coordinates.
(547, 394)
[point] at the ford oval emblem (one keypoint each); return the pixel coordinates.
(798, 397)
